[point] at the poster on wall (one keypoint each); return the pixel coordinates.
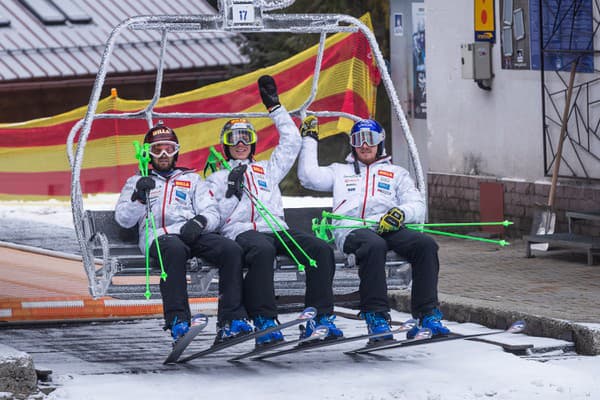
(398, 25)
(485, 30)
(419, 75)
(514, 34)
(567, 25)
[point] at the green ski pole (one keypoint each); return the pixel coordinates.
(323, 226)
(263, 211)
(469, 237)
(442, 224)
(142, 153)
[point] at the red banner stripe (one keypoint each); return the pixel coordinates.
(233, 102)
(111, 179)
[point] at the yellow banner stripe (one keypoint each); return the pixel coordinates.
(118, 150)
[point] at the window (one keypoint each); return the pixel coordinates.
(519, 24)
(45, 11)
(507, 44)
(72, 11)
(507, 12)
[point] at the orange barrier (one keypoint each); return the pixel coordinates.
(77, 308)
(37, 287)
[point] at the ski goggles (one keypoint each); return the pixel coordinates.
(246, 135)
(371, 138)
(164, 147)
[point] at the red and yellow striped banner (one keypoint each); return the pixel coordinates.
(34, 153)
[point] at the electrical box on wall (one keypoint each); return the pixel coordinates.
(476, 63)
(482, 61)
(466, 58)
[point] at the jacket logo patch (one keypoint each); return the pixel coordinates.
(262, 183)
(382, 185)
(258, 169)
(383, 172)
(185, 184)
(180, 195)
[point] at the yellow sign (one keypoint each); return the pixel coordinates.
(484, 21)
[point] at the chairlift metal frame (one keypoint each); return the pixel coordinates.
(225, 20)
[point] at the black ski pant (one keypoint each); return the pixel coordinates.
(213, 248)
(260, 250)
(418, 249)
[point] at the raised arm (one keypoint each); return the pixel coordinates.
(285, 153)
(311, 175)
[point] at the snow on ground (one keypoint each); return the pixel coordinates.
(457, 370)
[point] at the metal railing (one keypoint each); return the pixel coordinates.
(580, 158)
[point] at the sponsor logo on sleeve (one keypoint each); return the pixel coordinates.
(385, 173)
(384, 186)
(183, 184)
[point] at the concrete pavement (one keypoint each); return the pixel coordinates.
(556, 292)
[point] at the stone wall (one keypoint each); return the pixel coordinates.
(456, 198)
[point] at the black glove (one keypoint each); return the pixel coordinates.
(391, 220)
(268, 92)
(192, 229)
(310, 127)
(235, 182)
(142, 187)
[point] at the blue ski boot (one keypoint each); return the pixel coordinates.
(179, 329)
(261, 323)
(230, 329)
(432, 321)
(378, 322)
(322, 320)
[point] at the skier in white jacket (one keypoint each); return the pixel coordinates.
(369, 186)
(243, 223)
(185, 215)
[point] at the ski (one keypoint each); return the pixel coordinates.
(331, 342)
(516, 327)
(198, 323)
(308, 314)
(320, 333)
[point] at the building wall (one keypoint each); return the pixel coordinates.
(473, 135)
(473, 131)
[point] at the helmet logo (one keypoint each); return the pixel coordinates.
(161, 131)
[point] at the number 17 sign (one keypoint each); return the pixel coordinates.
(243, 13)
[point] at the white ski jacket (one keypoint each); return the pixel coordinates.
(173, 201)
(262, 178)
(368, 195)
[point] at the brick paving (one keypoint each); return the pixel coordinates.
(554, 284)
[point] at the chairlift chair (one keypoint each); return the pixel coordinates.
(238, 16)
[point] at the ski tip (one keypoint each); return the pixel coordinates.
(409, 324)
(308, 313)
(199, 319)
(423, 333)
(320, 332)
(517, 327)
